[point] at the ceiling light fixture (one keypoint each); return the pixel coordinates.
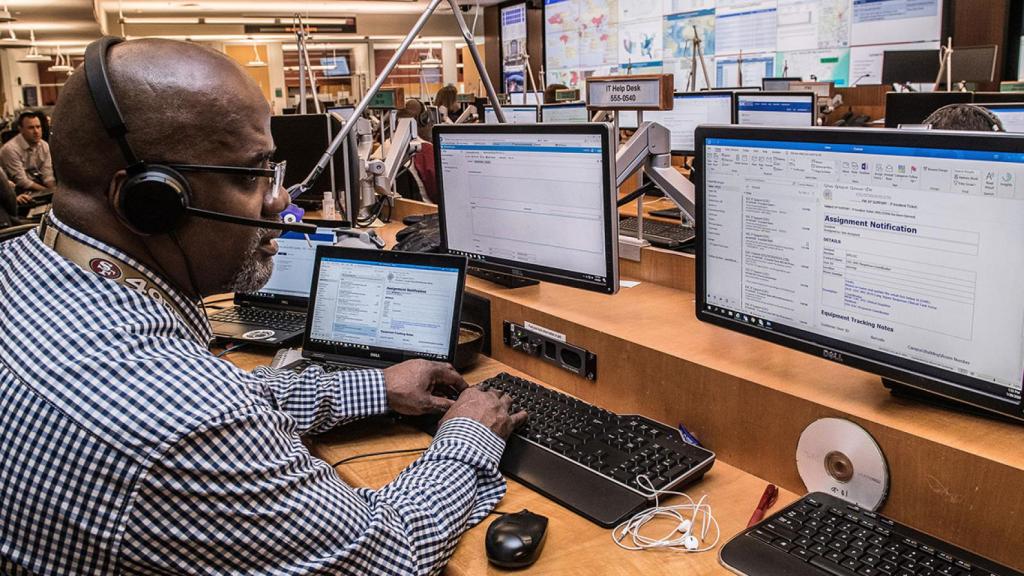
(61, 63)
(257, 62)
(33, 54)
(5, 15)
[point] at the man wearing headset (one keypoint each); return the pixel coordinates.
(126, 446)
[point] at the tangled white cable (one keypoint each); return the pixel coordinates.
(684, 518)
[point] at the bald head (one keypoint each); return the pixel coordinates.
(182, 103)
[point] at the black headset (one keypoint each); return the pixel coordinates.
(154, 198)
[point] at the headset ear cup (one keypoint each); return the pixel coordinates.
(154, 200)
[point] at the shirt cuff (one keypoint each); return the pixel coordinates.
(364, 390)
(468, 431)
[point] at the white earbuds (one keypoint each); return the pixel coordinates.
(691, 543)
(627, 535)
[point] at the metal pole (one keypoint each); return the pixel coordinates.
(492, 95)
(298, 189)
(302, 71)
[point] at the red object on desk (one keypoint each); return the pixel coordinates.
(771, 494)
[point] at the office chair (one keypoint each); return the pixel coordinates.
(15, 231)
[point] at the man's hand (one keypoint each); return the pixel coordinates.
(24, 199)
(488, 407)
(411, 386)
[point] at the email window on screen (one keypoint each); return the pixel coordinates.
(901, 250)
(529, 198)
(385, 305)
(775, 111)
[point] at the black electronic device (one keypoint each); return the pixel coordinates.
(587, 458)
(301, 140)
(998, 98)
(658, 233)
(532, 201)
(914, 107)
(910, 66)
(974, 64)
(515, 540)
(398, 306)
(155, 197)
(824, 535)
(920, 296)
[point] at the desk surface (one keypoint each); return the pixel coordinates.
(574, 545)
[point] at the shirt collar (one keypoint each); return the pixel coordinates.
(25, 144)
(194, 318)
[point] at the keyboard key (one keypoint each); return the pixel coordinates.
(802, 553)
(831, 567)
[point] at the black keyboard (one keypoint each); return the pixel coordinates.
(588, 458)
(658, 233)
(821, 534)
(280, 320)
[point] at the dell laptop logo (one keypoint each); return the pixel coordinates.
(832, 355)
(374, 354)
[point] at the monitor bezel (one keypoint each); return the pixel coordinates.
(704, 94)
(544, 273)
(738, 95)
(900, 370)
(382, 355)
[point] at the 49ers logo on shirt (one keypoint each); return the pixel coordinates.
(105, 268)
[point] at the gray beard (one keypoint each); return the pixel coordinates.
(254, 272)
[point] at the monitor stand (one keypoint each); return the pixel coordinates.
(901, 390)
(501, 278)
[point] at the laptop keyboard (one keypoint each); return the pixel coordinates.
(280, 320)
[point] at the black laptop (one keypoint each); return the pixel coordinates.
(376, 308)
(277, 313)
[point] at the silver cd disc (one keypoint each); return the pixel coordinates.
(840, 458)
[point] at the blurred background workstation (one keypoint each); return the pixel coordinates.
(753, 267)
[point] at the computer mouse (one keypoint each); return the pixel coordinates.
(515, 540)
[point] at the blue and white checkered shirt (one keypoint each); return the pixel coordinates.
(126, 447)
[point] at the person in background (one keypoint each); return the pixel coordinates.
(423, 170)
(26, 158)
(8, 205)
(448, 97)
(965, 117)
(549, 92)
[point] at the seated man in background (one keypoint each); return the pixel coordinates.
(964, 117)
(26, 158)
(8, 204)
(128, 447)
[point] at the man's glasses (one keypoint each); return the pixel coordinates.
(275, 172)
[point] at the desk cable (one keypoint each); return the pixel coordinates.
(682, 537)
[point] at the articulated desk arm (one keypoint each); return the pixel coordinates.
(381, 173)
(650, 148)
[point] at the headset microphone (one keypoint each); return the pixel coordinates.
(154, 198)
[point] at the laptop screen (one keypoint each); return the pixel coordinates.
(293, 268)
(386, 306)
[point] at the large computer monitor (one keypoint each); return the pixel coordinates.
(914, 107)
(575, 113)
(897, 252)
(974, 63)
(776, 108)
(301, 139)
(909, 66)
(1010, 115)
(513, 114)
(534, 201)
(689, 110)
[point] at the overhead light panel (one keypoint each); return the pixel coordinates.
(61, 64)
(5, 15)
(12, 40)
(33, 54)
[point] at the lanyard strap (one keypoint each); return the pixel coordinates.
(106, 266)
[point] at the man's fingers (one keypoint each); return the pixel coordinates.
(506, 402)
(518, 418)
(446, 374)
(440, 405)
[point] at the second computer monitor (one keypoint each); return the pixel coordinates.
(534, 201)
(575, 113)
(513, 114)
(1010, 115)
(689, 110)
(776, 108)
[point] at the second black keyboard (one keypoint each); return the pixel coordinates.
(664, 234)
(282, 320)
(589, 459)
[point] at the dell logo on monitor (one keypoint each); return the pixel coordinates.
(374, 354)
(832, 355)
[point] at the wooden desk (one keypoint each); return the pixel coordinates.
(574, 545)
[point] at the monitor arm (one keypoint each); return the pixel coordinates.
(468, 115)
(650, 148)
(377, 175)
